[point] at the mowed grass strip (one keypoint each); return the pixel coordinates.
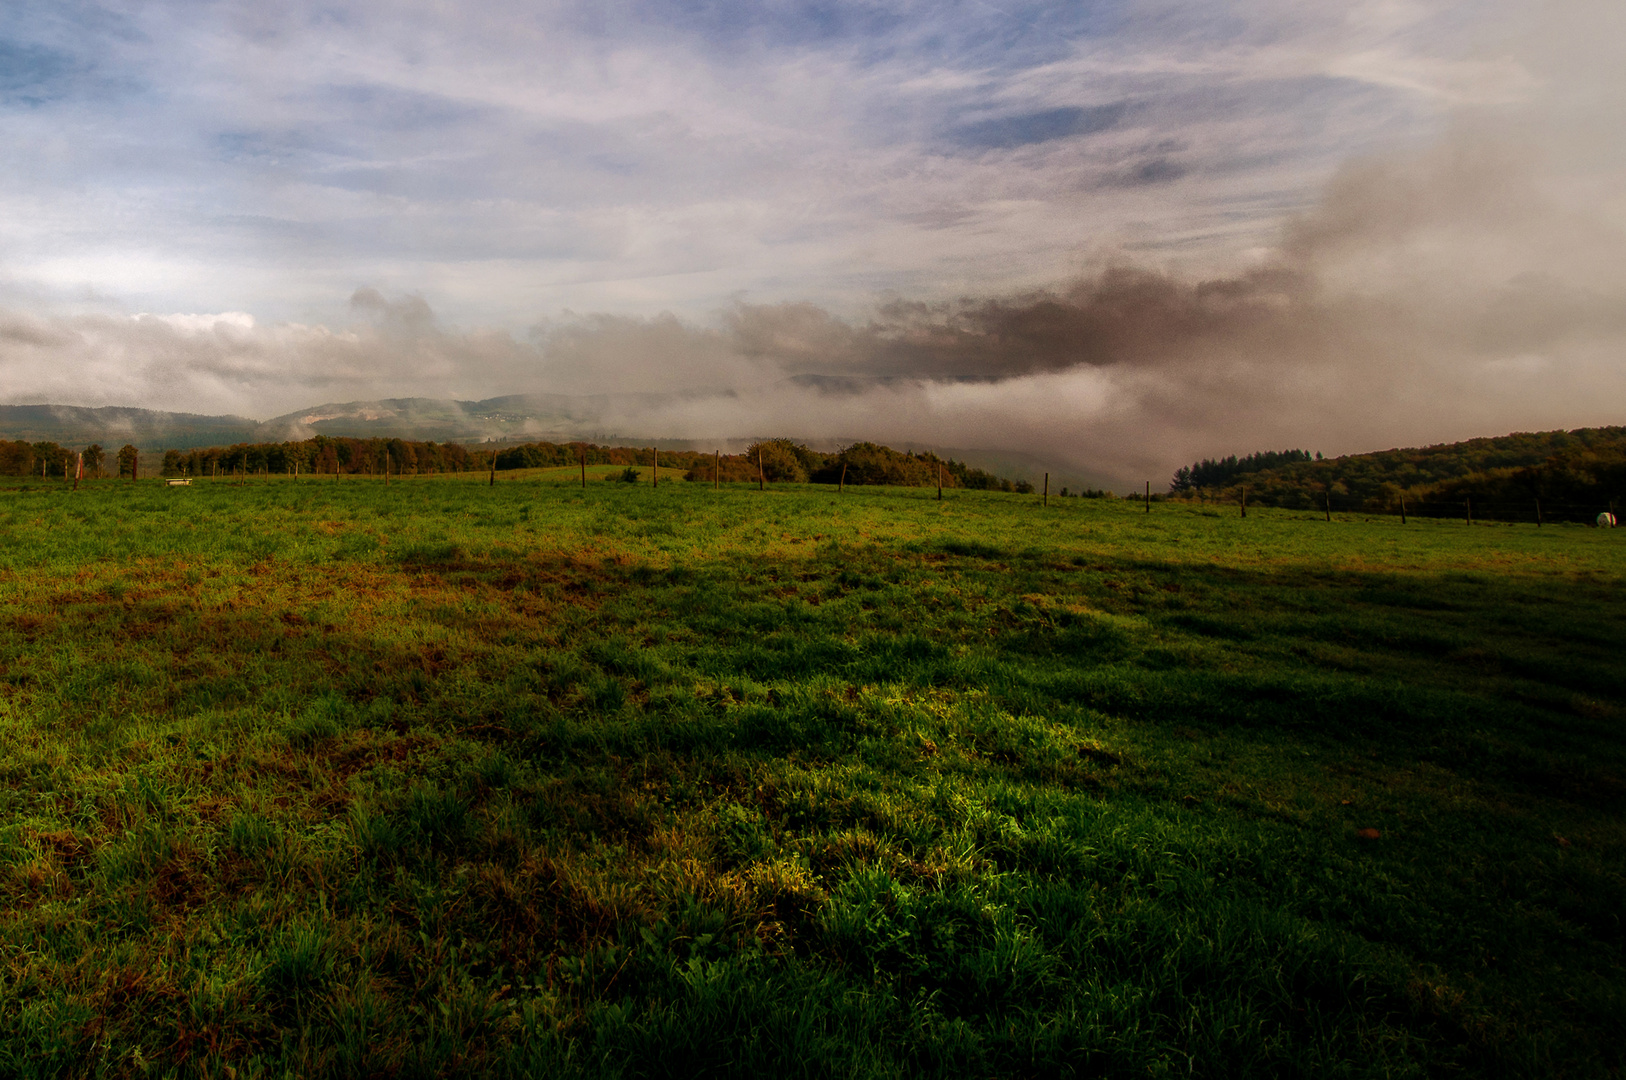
(322, 778)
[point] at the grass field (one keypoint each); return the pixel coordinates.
(328, 778)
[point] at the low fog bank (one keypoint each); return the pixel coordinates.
(1471, 288)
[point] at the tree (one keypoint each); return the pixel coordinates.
(781, 461)
(127, 460)
(95, 458)
(16, 458)
(52, 456)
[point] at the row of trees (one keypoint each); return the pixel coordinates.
(327, 454)
(1571, 474)
(1212, 472)
(780, 461)
(47, 459)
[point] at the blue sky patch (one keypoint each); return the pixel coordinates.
(1047, 125)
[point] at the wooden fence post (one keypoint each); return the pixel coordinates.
(1148, 496)
(762, 483)
(654, 467)
(493, 469)
(1468, 508)
(1244, 500)
(1538, 511)
(1327, 495)
(841, 485)
(1402, 508)
(716, 467)
(939, 481)
(1045, 499)
(584, 466)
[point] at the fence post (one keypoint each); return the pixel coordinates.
(1046, 499)
(1468, 508)
(493, 468)
(716, 467)
(940, 481)
(1148, 496)
(1538, 511)
(1402, 508)
(584, 466)
(1244, 500)
(841, 485)
(762, 483)
(1327, 496)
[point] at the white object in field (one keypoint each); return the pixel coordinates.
(178, 483)
(1606, 520)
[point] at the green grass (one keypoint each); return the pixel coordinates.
(327, 778)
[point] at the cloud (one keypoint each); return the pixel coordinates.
(1435, 293)
(646, 156)
(1120, 238)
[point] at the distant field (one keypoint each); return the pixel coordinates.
(321, 777)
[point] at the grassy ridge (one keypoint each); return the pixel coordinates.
(448, 779)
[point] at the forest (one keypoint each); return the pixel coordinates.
(1525, 476)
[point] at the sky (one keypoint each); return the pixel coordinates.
(1121, 235)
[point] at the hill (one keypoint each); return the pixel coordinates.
(1570, 474)
(146, 428)
(53, 431)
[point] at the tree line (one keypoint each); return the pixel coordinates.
(1560, 475)
(46, 459)
(778, 460)
(328, 454)
(1217, 472)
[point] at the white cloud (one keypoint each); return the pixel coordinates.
(201, 324)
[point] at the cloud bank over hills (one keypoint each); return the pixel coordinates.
(1121, 242)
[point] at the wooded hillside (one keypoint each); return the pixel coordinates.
(1571, 474)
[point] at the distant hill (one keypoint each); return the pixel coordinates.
(439, 419)
(512, 418)
(442, 420)
(1574, 474)
(113, 425)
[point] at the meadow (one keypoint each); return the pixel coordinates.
(328, 778)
